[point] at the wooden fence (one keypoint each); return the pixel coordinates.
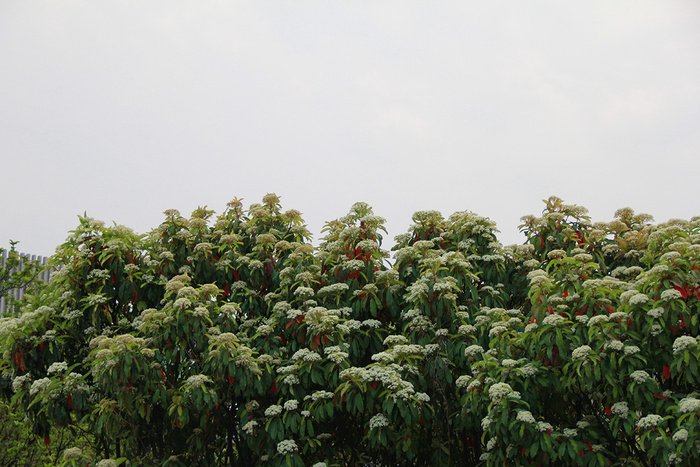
(18, 294)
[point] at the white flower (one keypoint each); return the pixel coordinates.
(486, 423)
(249, 427)
(499, 390)
(583, 319)
(570, 432)
(689, 404)
(580, 352)
(473, 350)
(378, 421)
(291, 404)
(670, 294)
(680, 435)
(197, 380)
(322, 395)
(649, 421)
(544, 427)
(57, 367)
(491, 443)
(638, 299)
(621, 409)
(286, 446)
(683, 342)
(463, 381)
(552, 320)
(525, 417)
(529, 370)
(107, 463)
(531, 327)
(497, 331)
(273, 410)
(597, 319)
(631, 349)
(639, 376)
(613, 344)
(656, 312)
(39, 385)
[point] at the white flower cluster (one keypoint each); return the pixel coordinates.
(544, 427)
(57, 367)
(580, 352)
(639, 376)
(306, 355)
(273, 410)
(620, 408)
(525, 417)
(683, 342)
(463, 381)
(473, 350)
(689, 404)
(649, 421)
(613, 344)
(680, 436)
(378, 421)
(286, 446)
(320, 395)
(553, 320)
(529, 370)
(394, 340)
(249, 428)
(372, 323)
(597, 319)
(39, 385)
(499, 390)
(197, 381)
(291, 404)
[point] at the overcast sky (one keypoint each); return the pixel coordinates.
(123, 109)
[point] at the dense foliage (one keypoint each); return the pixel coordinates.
(232, 341)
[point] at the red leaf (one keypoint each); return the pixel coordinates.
(231, 379)
(682, 290)
(667, 372)
(47, 439)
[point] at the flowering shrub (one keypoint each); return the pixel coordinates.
(231, 340)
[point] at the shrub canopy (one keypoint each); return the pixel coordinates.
(233, 341)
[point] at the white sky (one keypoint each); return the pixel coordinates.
(126, 108)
